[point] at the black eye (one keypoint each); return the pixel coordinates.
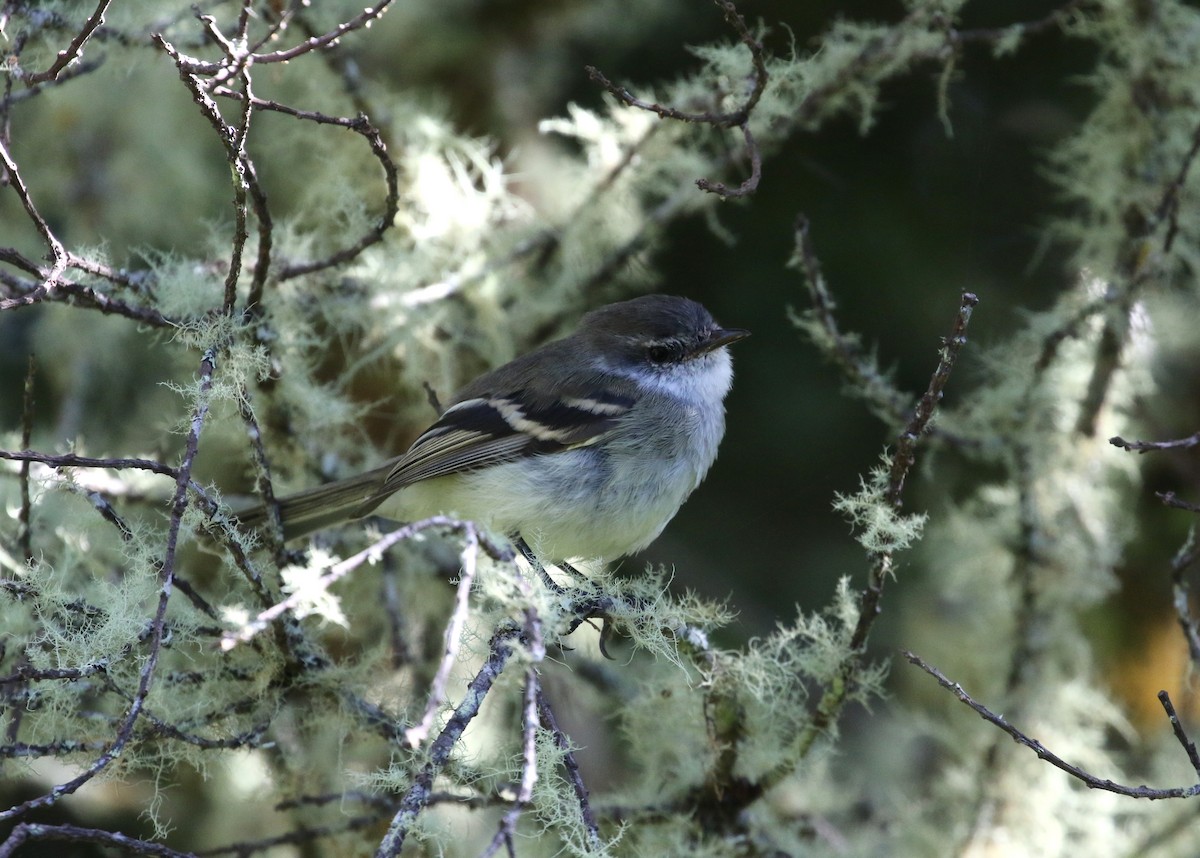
(665, 353)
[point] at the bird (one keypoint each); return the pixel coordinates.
(580, 450)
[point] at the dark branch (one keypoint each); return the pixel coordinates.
(1146, 446)
(69, 53)
(739, 118)
(418, 795)
(1044, 753)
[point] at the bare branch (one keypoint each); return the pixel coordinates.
(1044, 753)
(416, 734)
(750, 185)
(25, 534)
(1171, 500)
(362, 126)
(860, 370)
(79, 69)
(1168, 209)
(302, 834)
(573, 774)
(70, 460)
(1146, 446)
(1184, 558)
(883, 562)
(32, 832)
(338, 571)
(363, 19)
(58, 253)
(66, 56)
(418, 795)
(952, 345)
(243, 174)
(739, 118)
(507, 828)
(157, 624)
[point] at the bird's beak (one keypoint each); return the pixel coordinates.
(718, 337)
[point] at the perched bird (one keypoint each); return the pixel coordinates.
(583, 448)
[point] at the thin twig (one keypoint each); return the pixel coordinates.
(77, 70)
(1187, 555)
(78, 294)
(335, 573)
(883, 562)
(546, 713)
(362, 126)
(860, 370)
(1170, 499)
(364, 19)
(35, 831)
(1168, 209)
(24, 516)
(69, 53)
(179, 505)
(70, 460)
(302, 834)
(739, 118)
(418, 795)
(416, 734)
(507, 828)
(1147, 446)
(1181, 736)
(994, 34)
(245, 181)
(58, 253)
(1088, 779)
(750, 184)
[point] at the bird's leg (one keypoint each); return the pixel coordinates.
(533, 561)
(572, 571)
(528, 554)
(606, 627)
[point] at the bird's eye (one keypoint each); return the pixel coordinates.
(664, 353)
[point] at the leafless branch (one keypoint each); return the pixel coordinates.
(362, 126)
(58, 253)
(79, 69)
(739, 118)
(34, 832)
(70, 460)
(1147, 446)
(301, 834)
(1168, 209)
(991, 35)
(416, 734)
(546, 714)
(363, 19)
(340, 570)
(153, 643)
(1089, 780)
(507, 827)
(883, 562)
(1170, 499)
(25, 536)
(68, 54)
(750, 184)
(418, 795)
(233, 139)
(1184, 558)
(860, 370)
(81, 295)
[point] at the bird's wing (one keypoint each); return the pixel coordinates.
(489, 430)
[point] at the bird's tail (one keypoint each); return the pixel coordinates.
(322, 506)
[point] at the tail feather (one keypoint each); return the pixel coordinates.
(323, 506)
